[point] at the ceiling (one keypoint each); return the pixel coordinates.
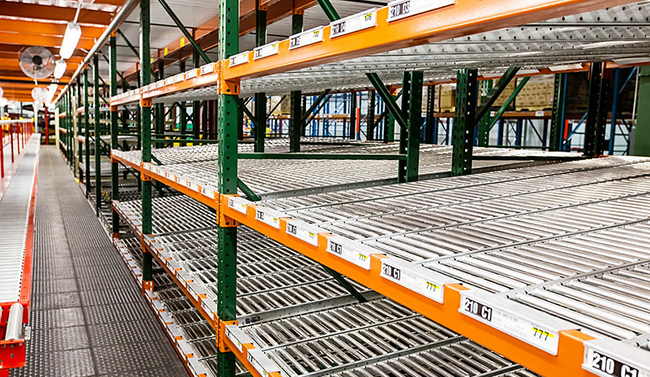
(25, 23)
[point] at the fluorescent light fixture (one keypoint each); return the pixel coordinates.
(59, 68)
(568, 67)
(51, 91)
(70, 40)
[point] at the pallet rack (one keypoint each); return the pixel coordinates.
(545, 343)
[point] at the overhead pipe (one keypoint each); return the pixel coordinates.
(120, 17)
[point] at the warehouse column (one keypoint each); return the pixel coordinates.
(145, 121)
(484, 123)
(353, 115)
(98, 145)
(87, 131)
(371, 124)
(594, 130)
(559, 108)
(431, 127)
(115, 188)
(464, 121)
(296, 124)
(227, 183)
(260, 98)
(160, 108)
(641, 140)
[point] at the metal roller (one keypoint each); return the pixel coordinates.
(15, 322)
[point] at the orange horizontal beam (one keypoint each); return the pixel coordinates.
(53, 13)
(42, 40)
(7, 77)
(466, 17)
(46, 28)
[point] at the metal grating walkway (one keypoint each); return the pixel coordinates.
(88, 317)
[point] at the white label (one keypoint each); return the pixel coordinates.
(406, 8)
(238, 204)
(609, 358)
(169, 80)
(306, 38)
(239, 59)
(539, 114)
(354, 23)
(192, 74)
(302, 233)
(238, 337)
(413, 281)
(233, 339)
(348, 252)
(262, 364)
(160, 84)
(510, 323)
(266, 50)
(180, 77)
(268, 217)
(194, 187)
(208, 68)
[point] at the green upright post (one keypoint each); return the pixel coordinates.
(80, 155)
(414, 125)
(87, 131)
(484, 124)
(403, 135)
(389, 129)
(145, 121)
(115, 188)
(641, 146)
(227, 183)
(464, 121)
(296, 125)
(98, 145)
(196, 105)
(591, 126)
(160, 108)
(182, 108)
(559, 108)
(260, 98)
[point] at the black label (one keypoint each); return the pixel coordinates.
(392, 272)
(336, 248)
(338, 28)
(478, 309)
(612, 366)
(293, 42)
(400, 9)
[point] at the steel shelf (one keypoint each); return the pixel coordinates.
(458, 35)
(395, 337)
(499, 234)
(195, 167)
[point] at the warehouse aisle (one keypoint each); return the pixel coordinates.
(88, 318)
